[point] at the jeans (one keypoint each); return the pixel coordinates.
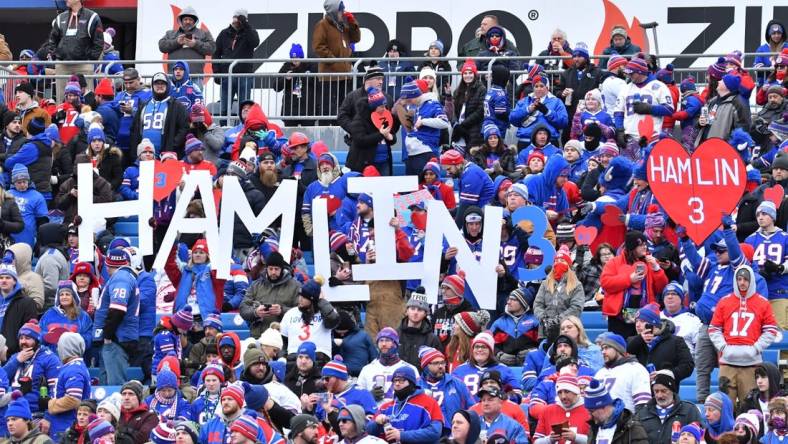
(242, 89)
(705, 361)
(414, 164)
(116, 361)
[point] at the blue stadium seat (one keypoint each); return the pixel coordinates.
(128, 219)
(594, 332)
(242, 334)
(693, 378)
(233, 321)
(135, 373)
(94, 372)
(399, 169)
(134, 241)
(771, 355)
(341, 156)
(99, 392)
(309, 258)
(783, 344)
(593, 319)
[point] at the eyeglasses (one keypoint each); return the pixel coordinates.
(398, 380)
(480, 347)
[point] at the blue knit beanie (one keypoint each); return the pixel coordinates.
(309, 349)
(596, 396)
(19, 407)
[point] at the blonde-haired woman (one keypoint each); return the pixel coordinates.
(560, 295)
(588, 353)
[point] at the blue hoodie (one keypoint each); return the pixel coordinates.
(32, 205)
(184, 90)
(454, 395)
(615, 179)
(554, 120)
(726, 422)
(56, 317)
(124, 126)
(542, 190)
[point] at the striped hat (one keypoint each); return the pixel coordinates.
(101, 427)
(410, 90)
(715, 401)
(694, 429)
(565, 231)
(164, 433)
(183, 319)
(212, 369)
(688, 84)
(213, 320)
(31, 329)
(609, 148)
(375, 97)
(455, 283)
(485, 338)
(749, 420)
(472, 322)
(247, 426)
(568, 383)
(717, 69)
(451, 157)
(337, 240)
(234, 391)
(429, 354)
(335, 368)
(616, 61)
(117, 257)
(596, 396)
(192, 144)
(637, 65)
(734, 58)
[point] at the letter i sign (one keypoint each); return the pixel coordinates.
(696, 190)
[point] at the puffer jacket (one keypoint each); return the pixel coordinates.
(471, 126)
(558, 304)
(10, 218)
(87, 44)
(411, 338)
(262, 291)
(666, 351)
(111, 167)
(205, 45)
(507, 159)
(31, 281)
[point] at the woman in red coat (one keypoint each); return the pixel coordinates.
(630, 281)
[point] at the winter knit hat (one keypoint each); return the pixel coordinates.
(715, 401)
(687, 85)
(193, 144)
(667, 379)
(256, 396)
(296, 51)
(608, 148)
(581, 50)
(428, 354)
(20, 172)
(96, 133)
(616, 61)
(271, 338)
(665, 75)
(301, 422)
(490, 129)
(406, 372)
(163, 433)
(213, 320)
(183, 319)
(388, 333)
(253, 355)
(31, 329)
(438, 44)
(637, 65)
(326, 158)
(278, 367)
(568, 383)
(565, 231)
(469, 65)
(236, 168)
(596, 396)
(145, 145)
(337, 240)
(649, 314)
(53, 133)
(451, 157)
(234, 391)
(520, 189)
(519, 295)
(767, 207)
(98, 428)
(25, 87)
(418, 299)
(247, 426)
(717, 69)
(190, 427)
(111, 404)
(197, 114)
(165, 378)
(694, 429)
(212, 369)
(613, 340)
(575, 145)
(734, 58)
(375, 98)
(136, 388)
(455, 283)
(732, 82)
(19, 407)
(308, 349)
(311, 289)
(336, 368)
(486, 339)
(750, 421)
(634, 239)
(410, 90)
(472, 322)
(117, 257)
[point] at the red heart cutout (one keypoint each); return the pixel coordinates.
(379, 119)
(611, 216)
(696, 190)
(646, 127)
(774, 194)
(585, 235)
(166, 178)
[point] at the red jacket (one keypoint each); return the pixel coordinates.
(669, 121)
(556, 414)
(442, 191)
(615, 281)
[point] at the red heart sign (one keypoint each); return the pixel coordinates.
(166, 178)
(696, 190)
(775, 194)
(585, 235)
(611, 216)
(646, 127)
(379, 119)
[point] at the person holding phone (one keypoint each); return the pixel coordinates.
(188, 41)
(566, 420)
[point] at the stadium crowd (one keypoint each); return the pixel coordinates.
(396, 368)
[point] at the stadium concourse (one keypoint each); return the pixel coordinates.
(610, 321)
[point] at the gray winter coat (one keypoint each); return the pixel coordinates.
(205, 43)
(729, 113)
(262, 291)
(558, 304)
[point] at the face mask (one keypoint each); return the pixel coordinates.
(777, 423)
(495, 40)
(419, 220)
(404, 392)
(559, 269)
(780, 75)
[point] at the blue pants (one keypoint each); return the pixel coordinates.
(116, 361)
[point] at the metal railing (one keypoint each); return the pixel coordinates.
(310, 98)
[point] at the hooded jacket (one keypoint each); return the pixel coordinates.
(255, 120)
(504, 49)
(18, 308)
(666, 351)
(176, 125)
(765, 61)
(555, 119)
(184, 90)
(332, 38)
(542, 191)
(263, 291)
(628, 48)
(356, 348)
(205, 44)
(30, 281)
(412, 338)
(753, 399)
(137, 423)
(497, 104)
(743, 325)
(52, 264)
(209, 289)
(56, 317)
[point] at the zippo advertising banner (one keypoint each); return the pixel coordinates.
(685, 26)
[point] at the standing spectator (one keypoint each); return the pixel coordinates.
(590, 272)
(496, 45)
(182, 88)
(412, 416)
(22, 257)
(270, 296)
(620, 43)
(370, 144)
(66, 199)
(117, 320)
(5, 51)
(569, 411)
(657, 345)
(545, 190)
(423, 142)
(726, 111)
(298, 92)
(27, 106)
(312, 320)
(36, 155)
(107, 159)
(391, 63)
(354, 344)
(775, 37)
(665, 408)
(742, 327)
(162, 119)
(373, 78)
(538, 109)
(477, 44)
(415, 330)
(237, 41)
(431, 180)
(73, 386)
(128, 102)
(475, 186)
(626, 378)
(197, 285)
(613, 81)
(560, 295)
(630, 281)
(772, 239)
(514, 331)
(497, 104)
(690, 104)
(769, 382)
(612, 423)
(332, 38)
(558, 47)
(469, 107)
(452, 394)
(576, 81)
(77, 35)
(189, 41)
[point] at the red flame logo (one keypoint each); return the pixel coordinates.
(208, 68)
(614, 17)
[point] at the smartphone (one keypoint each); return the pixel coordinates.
(640, 268)
(267, 306)
(649, 328)
(559, 428)
(188, 35)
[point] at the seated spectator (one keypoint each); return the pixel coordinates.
(494, 422)
(130, 185)
(376, 376)
(270, 296)
(494, 156)
(197, 282)
(560, 295)
(475, 187)
(687, 324)
(497, 104)
(353, 344)
(468, 107)
(611, 420)
(482, 359)
(19, 421)
(19, 256)
(229, 346)
(430, 179)
(627, 379)
(189, 41)
(656, 345)
(747, 428)
(345, 391)
(167, 401)
(440, 383)
(182, 88)
(472, 47)
(545, 392)
(665, 408)
(515, 332)
(203, 127)
(538, 109)
(32, 365)
(588, 354)
(569, 412)
(593, 111)
(422, 143)
(304, 377)
(465, 428)
(352, 426)
(545, 190)
(772, 109)
(620, 43)
(719, 416)
(67, 315)
(589, 272)
(768, 381)
(203, 409)
(136, 420)
(32, 205)
(415, 330)
(35, 153)
(575, 154)
(775, 425)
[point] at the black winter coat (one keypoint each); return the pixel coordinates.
(21, 309)
(365, 137)
(670, 353)
(746, 222)
(628, 430)
(473, 99)
(444, 321)
(241, 236)
(86, 44)
(176, 126)
(347, 111)
(303, 104)
(411, 338)
(752, 400)
(232, 44)
(10, 217)
(303, 385)
(111, 167)
(589, 80)
(62, 164)
(659, 432)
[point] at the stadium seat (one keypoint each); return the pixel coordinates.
(593, 319)
(134, 373)
(341, 156)
(99, 392)
(126, 229)
(399, 169)
(593, 333)
(233, 321)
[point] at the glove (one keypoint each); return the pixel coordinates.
(641, 108)
(270, 138)
(226, 306)
(773, 267)
(378, 393)
(621, 138)
(53, 180)
(681, 232)
(586, 208)
(542, 108)
(43, 403)
(152, 222)
(183, 252)
(25, 386)
(8, 257)
(728, 222)
(60, 116)
(349, 17)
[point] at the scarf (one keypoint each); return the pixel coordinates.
(618, 408)
(391, 357)
(211, 401)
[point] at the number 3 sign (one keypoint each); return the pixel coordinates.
(696, 190)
